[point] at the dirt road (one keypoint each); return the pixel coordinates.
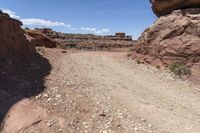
(105, 92)
(169, 105)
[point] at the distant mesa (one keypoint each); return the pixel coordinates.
(80, 41)
(120, 34)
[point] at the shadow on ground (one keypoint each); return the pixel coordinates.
(21, 80)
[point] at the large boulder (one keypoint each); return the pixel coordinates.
(174, 37)
(13, 42)
(163, 7)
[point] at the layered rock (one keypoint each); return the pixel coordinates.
(163, 7)
(172, 38)
(39, 39)
(13, 42)
(89, 41)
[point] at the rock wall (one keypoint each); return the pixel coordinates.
(13, 42)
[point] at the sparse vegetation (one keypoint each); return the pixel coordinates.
(63, 46)
(179, 69)
(158, 66)
(138, 61)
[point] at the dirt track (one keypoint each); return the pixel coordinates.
(169, 105)
(105, 92)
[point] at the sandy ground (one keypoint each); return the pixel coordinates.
(104, 92)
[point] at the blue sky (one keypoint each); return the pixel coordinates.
(83, 16)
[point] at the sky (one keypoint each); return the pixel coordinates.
(101, 17)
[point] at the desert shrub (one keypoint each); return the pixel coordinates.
(179, 69)
(158, 66)
(138, 61)
(62, 46)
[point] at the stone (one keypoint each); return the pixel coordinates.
(23, 115)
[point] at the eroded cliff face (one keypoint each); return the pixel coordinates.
(13, 42)
(163, 7)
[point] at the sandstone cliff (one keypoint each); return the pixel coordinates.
(88, 41)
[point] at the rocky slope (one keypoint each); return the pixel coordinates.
(13, 42)
(172, 38)
(40, 39)
(163, 7)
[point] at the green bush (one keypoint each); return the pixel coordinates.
(138, 61)
(179, 69)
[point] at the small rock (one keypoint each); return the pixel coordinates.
(105, 131)
(150, 125)
(45, 95)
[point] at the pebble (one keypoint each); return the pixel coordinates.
(105, 131)
(150, 125)
(49, 99)
(45, 95)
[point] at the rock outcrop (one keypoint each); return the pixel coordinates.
(40, 39)
(13, 42)
(163, 7)
(172, 38)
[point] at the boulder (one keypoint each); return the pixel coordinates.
(13, 42)
(22, 116)
(163, 7)
(40, 39)
(172, 38)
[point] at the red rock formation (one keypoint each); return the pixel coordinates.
(174, 37)
(13, 42)
(40, 39)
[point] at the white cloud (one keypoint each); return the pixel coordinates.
(47, 23)
(11, 13)
(42, 22)
(37, 22)
(97, 31)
